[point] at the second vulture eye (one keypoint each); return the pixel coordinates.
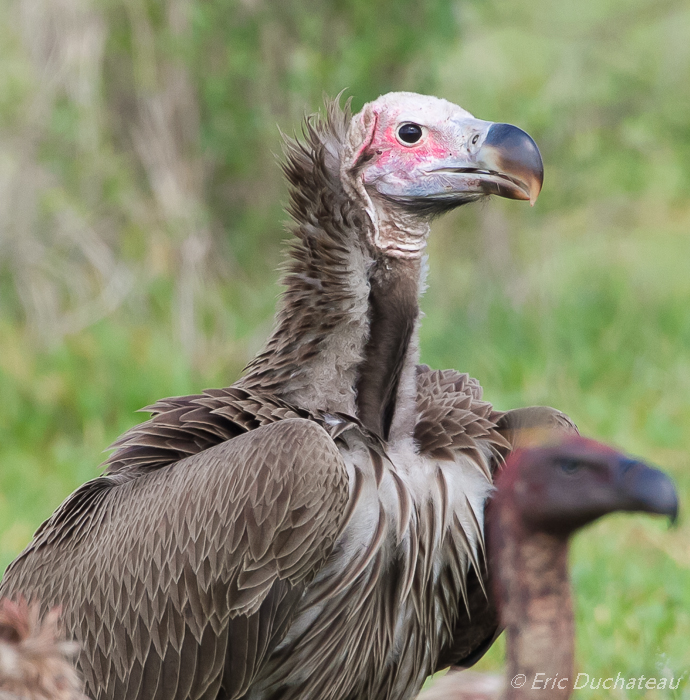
(410, 133)
(570, 466)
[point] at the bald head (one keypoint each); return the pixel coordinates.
(424, 155)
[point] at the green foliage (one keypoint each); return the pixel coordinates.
(140, 224)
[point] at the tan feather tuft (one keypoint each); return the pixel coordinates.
(35, 660)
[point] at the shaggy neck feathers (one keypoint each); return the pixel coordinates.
(346, 328)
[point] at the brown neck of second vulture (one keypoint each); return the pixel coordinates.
(345, 338)
(534, 595)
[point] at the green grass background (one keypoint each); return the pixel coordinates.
(580, 303)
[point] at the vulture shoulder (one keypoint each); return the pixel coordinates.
(178, 581)
(452, 418)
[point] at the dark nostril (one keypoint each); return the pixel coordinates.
(627, 465)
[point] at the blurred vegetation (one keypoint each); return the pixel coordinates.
(140, 229)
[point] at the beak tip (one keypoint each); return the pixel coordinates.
(536, 187)
(511, 151)
(655, 492)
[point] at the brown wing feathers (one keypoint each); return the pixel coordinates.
(186, 425)
(452, 416)
(161, 598)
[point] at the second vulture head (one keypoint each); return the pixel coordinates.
(561, 487)
(420, 156)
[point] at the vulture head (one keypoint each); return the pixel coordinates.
(560, 488)
(410, 157)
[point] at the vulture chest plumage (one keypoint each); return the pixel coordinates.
(398, 572)
(315, 530)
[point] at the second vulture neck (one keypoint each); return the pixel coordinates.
(536, 607)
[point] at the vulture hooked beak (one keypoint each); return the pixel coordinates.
(647, 490)
(507, 163)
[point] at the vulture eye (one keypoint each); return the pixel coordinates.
(410, 133)
(570, 466)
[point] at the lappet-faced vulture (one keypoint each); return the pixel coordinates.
(313, 531)
(544, 494)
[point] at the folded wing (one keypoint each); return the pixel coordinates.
(179, 582)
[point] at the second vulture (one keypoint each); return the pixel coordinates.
(313, 531)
